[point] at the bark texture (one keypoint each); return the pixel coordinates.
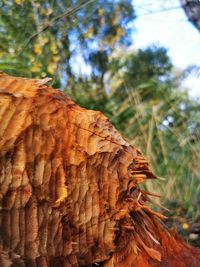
(69, 193)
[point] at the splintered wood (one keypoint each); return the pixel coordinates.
(69, 189)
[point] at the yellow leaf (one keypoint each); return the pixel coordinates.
(46, 12)
(56, 58)
(53, 48)
(51, 67)
(49, 11)
(100, 12)
(37, 49)
(19, 2)
(120, 31)
(44, 40)
(36, 67)
(89, 34)
(115, 19)
(185, 226)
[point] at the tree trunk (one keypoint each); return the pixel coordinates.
(69, 188)
(192, 10)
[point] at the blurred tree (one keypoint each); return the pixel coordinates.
(150, 108)
(51, 37)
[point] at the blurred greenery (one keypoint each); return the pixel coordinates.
(87, 47)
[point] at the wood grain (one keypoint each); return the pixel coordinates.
(69, 190)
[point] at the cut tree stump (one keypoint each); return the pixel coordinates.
(69, 188)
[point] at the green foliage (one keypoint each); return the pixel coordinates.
(47, 36)
(140, 91)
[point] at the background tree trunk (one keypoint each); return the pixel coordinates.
(192, 10)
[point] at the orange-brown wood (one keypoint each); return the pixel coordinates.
(69, 189)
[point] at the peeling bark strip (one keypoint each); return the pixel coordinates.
(69, 189)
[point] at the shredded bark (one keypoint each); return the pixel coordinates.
(69, 188)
